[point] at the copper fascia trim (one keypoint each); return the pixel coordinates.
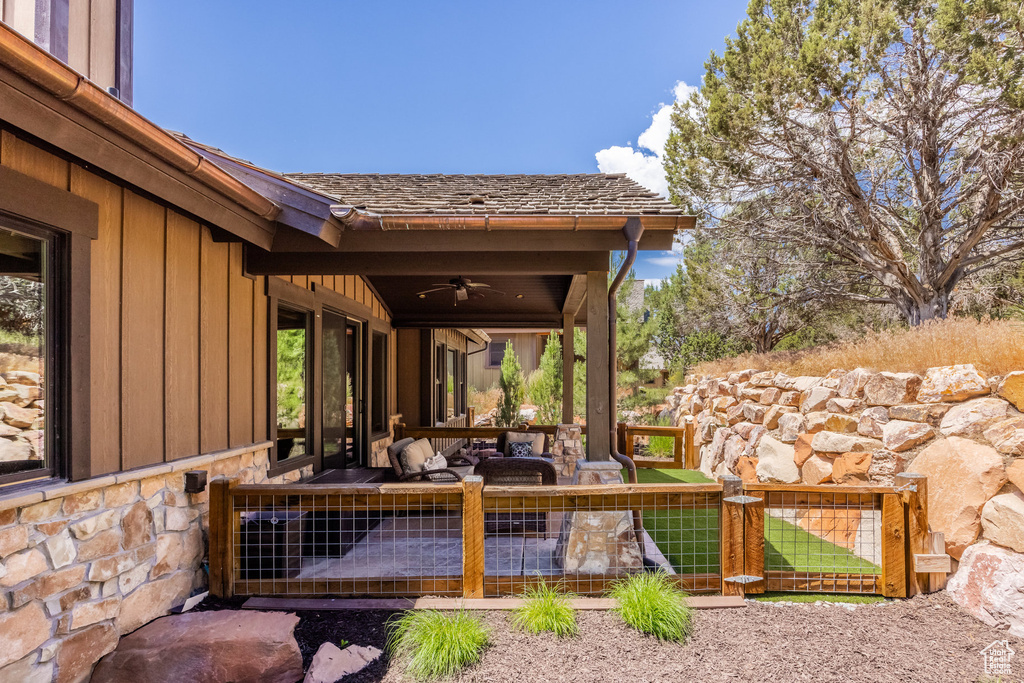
(34, 64)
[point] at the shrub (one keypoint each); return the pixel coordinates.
(546, 609)
(651, 603)
(510, 383)
(433, 644)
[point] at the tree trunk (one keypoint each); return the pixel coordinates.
(934, 307)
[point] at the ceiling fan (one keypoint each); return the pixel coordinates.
(463, 288)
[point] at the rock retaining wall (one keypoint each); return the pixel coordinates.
(962, 429)
(82, 564)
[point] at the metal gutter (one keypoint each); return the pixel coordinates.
(37, 66)
(355, 218)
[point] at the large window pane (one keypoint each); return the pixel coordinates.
(379, 383)
(292, 383)
(337, 402)
(23, 353)
(450, 408)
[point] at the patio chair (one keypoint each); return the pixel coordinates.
(516, 472)
(539, 447)
(420, 453)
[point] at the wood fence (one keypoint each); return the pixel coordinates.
(394, 540)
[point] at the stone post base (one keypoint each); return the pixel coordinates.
(598, 542)
(567, 449)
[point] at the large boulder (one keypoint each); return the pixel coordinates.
(989, 584)
(816, 470)
(834, 442)
(775, 413)
(331, 663)
(899, 436)
(816, 399)
(851, 469)
(210, 647)
(852, 384)
(872, 421)
(841, 423)
(1002, 521)
(1007, 436)
(775, 461)
(791, 425)
(1015, 473)
(885, 465)
(972, 418)
(932, 413)
(890, 388)
(952, 383)
(962, 477)
(1011, 388)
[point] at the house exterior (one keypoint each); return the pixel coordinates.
(170, 310)
(528, 345)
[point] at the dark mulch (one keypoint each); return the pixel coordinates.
(922, 640)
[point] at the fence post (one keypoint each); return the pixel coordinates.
(473, 537)
(894, 547)
(221, 552)
(753, 542)
(691, 444)
(731, 521)
(915, 500)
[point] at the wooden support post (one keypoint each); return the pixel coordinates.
(894, 547)
(600, 404)
(629, 442)
(472, 537)
(915, 501)
(731, 522)
(568, 366)
(753, 542)
(222, 525)
(691, 444)
(937, 580)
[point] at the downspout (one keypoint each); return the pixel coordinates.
(632, 230)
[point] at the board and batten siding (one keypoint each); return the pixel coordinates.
(178, 332)
(527, 347)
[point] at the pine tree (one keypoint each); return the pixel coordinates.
(510, 383)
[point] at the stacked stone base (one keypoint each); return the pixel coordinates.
(82, 564)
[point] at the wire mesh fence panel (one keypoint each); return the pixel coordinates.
(585, 541)
(823, 541)
(347, 542)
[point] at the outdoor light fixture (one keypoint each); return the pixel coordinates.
(195, 481)
(422, 296)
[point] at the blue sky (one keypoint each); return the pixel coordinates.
(430, 87)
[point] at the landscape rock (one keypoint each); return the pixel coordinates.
(1011, 388)
(816, 399)
(790, 426)
(872, 421)
(846, 406)
(815, 422)
(775, 461)
(962, 477)
(989, 584)
(1002, 521)
(746, 469)
(769, 396)
(932, 413)
(1015, 473)
(834, 442)
(220, 646)
(735, 447)
(952, 383)
(844, 424)
(774, 413)
(1007, 436)
(851, 469)
(899, 435)
(750, 432)
(14, 449)
(754, 412)
(889, 388)
(852, 384)
(885, 465)
(802, 449)
(331, 663)
(816, 470)
(972, 418)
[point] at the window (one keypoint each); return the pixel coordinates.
(379, 383)
(496, 351)
(451, 410)
(27, 361)
(439, 383)
(293, 375)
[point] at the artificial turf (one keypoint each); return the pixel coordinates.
(689, 538)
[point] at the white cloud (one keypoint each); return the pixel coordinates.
(673, 258)
(644, 164)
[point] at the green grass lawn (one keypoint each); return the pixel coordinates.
(689, 538)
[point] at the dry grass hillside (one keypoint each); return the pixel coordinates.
(994, 346)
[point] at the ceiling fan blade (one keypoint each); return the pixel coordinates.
(431, 291)
(477, 284)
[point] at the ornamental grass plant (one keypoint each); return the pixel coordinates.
(433, 645)
(545, 608)
(651, 603)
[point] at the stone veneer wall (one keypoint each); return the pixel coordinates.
(566, 449)
(82, 564)
(961, 429)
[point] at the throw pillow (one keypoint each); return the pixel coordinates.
(414, 456)
(438, 462)
(520, 449)
(535, 439)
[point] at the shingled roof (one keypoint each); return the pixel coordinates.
(557, 195)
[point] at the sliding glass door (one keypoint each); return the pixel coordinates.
(343, 406)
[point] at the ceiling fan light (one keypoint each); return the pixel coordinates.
(519, 296)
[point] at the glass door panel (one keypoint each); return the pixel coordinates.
(354, 418)
(334, 391)
(292, 383)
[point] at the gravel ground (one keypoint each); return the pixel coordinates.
(921, 640)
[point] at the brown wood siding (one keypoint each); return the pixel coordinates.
(240, 359)
(526, 346)
(181, 355)
(213, 344)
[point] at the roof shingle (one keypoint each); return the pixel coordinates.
(556, 195)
